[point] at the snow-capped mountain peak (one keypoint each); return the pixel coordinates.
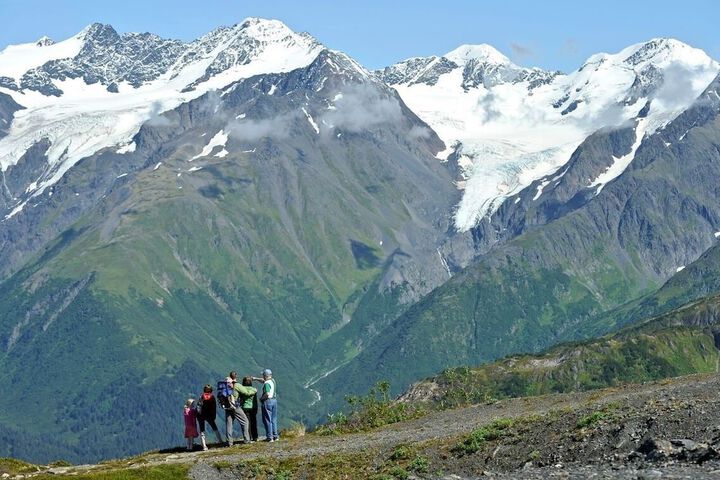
(480, 53)
(510, 125)
(44, 41)
(97, 88)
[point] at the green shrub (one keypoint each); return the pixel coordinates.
(591, 419)
(477, 438)
(401, 452)
(369, 411)
(420, 464)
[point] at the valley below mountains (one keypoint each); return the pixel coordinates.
(171, 211)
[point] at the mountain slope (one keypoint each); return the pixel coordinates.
(553, 282)
(95, 90)
(242, 230)
(681, 342)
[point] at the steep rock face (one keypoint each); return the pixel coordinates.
(8, 107)
(553, 282)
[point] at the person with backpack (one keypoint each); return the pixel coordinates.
(207, 412)
(234, 410)
(250, 407)
(268, 399)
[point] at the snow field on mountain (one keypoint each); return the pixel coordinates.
(511, 135)
(88, 118)
(15, 60)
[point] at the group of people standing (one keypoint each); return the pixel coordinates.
(241, 404)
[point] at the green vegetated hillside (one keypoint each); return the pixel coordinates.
(257, 259)
(683, 341)
(556, 282)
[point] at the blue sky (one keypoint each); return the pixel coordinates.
(550, 34)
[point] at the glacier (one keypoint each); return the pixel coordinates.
(509, 126)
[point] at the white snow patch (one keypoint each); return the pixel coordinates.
(621, 163)
(218, 140)
(157, 166)
(717, 234)
(517, 200)
(443, 262)
(129, 148)
(272, 89)
(119, 176)
(540, 189)
(680, 269)
(240, 117)
(444, 154)
(248, 151)
(312, 122)
(222, 153)
(194, 169)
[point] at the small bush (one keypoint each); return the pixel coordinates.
(420, 464)
(284, 475)
(295, 430)
(399, 472)
(401, 452)
(477, 438)
(373, 410)
(591, 419)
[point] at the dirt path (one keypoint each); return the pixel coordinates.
(443, 425)
(454, 423)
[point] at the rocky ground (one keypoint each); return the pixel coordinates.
(669, 430)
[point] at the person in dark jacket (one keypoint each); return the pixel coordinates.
(250, 407)
(206, 412)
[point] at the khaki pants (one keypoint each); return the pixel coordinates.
(238, 415)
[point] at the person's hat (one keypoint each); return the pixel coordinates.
(267, 372)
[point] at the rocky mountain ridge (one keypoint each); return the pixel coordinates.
(254, 187)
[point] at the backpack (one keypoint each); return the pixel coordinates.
(224, 395)
(198, 407)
